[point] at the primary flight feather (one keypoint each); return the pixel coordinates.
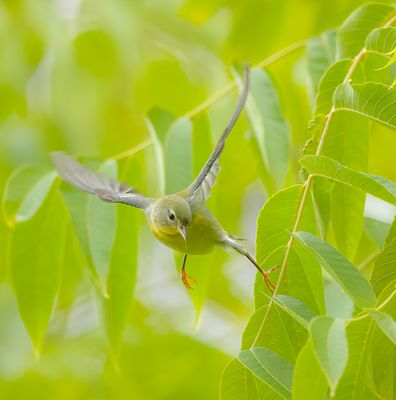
(181, 220)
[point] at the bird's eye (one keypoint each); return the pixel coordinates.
(171, 215)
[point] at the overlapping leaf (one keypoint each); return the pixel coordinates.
(372, 184)
(372, 100)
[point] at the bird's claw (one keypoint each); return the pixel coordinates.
(267, 281)
(188, 281)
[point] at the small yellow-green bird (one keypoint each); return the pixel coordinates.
(181, 220)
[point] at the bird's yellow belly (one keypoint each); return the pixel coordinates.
(200, 240)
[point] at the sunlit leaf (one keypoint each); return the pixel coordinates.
(280, 333)
(24, 186)
(308, 379)
(332, 78)
(342, 271)
(239, 383)
(330, 344)
(320, 55)
(372, 184)
(352, 34)
(373, 100)
(382, 40)
(269, 125)
(36, 260)
(386, 323)
(101, 226)
(272, 369)
(178, 156)
(352, 383)
(384, 271)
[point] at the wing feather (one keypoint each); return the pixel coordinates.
(105, 188)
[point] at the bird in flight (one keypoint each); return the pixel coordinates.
(181, 220)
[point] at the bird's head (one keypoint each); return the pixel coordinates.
(171, 215)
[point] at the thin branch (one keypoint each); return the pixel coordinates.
(232, 85)
(133, 150)
(305, 191)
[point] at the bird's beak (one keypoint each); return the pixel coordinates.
(182, 231)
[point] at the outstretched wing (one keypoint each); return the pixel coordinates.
(207, 177)
(105, 188)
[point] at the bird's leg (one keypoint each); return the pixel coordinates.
(265, 274)
(188, 280)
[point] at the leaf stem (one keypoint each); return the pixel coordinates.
(305, 191)
(232, 85)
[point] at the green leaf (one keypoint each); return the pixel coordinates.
(178, 156)
(269, 126)
(320, 55)
(347, 141)
(342, 271)
(34, 197)
(382, 40)
(377, 230)
(239, 383)
(101, 225)
(272, 369)
(36, 261)
(352, 385)
(384, 271)
(330, 344)
(19, 189)
(280, 333)
(372, 184)
(309, 382)
(372, 100)
(392, 232)
(295, 308)
(352, 33)
(276, 220)
(158, 122)
(386, 323)
(333, 77)
(122, 274)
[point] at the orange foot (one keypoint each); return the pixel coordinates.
(267, 281)
(188, 281)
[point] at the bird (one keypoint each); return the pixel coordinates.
(180, 220)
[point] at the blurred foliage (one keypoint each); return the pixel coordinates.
(91, 306)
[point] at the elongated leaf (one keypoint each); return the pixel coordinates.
(309, 382)
(330, 344)
(280, 333)
(276, 220)
(333, 77)
(347, 141)
(320, 55)
(372, 184)
(382, 40)
(352, 384)
(19, 184)
(238, 383)
(384, 271)
(342, 271)
(295, 308)
(377, 230)
(386, 324)
(383, 361)
(35, 197)
(101, 224)
(272, 369)
(269, 126)
(373, 100)
(122, 274)
(158, 122)
(36, 261)
(352, 34)
(391, 233)
(178, 156)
